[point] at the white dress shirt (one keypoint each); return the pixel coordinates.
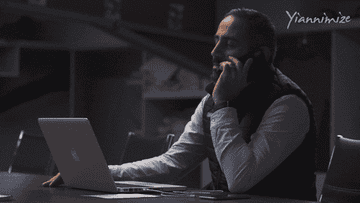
(282, 129)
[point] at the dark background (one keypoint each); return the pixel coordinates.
(114, 108)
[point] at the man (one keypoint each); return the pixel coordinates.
(256, 126)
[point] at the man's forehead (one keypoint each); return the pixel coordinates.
(228, 19)
(230, 26)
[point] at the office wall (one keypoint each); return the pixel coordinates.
(346, 84)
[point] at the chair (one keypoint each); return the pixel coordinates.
(168, 143)
(8, 138)
(342, 181)
(139, 148)
(32, 155)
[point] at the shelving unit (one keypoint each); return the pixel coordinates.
(161, 82)
(168, 92)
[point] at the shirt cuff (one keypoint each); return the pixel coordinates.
(220, 106)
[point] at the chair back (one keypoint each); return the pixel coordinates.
(32, 155)
(138, 147)
(342, 181)
(168, 143)
(8, 138)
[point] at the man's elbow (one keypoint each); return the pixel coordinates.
(237, 188)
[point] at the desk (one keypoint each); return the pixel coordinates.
(27, 188)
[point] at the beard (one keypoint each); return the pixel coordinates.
(216, 72)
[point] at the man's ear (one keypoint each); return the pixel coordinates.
(266, 52)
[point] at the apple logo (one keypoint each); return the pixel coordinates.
(74, 155)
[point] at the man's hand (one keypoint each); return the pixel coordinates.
(232, 80)
(54, 181)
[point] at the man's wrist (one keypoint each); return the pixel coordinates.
(220, 105)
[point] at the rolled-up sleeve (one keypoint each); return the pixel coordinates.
(180, 159)
(280, 132)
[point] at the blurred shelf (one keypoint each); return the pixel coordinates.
(79, 31)
(10, 51)
(35, 44)
(49, 14)
(162, 31)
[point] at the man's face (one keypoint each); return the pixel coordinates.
(231, 39)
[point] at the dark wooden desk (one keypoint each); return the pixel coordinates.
(27, 188)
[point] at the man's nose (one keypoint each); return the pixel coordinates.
(216, 51)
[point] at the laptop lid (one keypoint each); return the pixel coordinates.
(80, 160)
(77, 153)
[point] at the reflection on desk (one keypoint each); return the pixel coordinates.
(27, 188)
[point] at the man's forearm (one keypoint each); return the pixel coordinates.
(156, 169)
(225, 133)
(281, 131)
(167, 168)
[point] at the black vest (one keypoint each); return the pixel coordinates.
(294, 178)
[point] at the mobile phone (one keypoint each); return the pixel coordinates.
(225, 196)
(4, 197)
(257, 68)
(257, 72)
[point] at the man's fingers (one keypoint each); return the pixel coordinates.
(257, 54)
(238, 64)
(58, 181)
(235, 61)
(53, 184)
(227, 68)
(45, 184)
(247, 65)
(54, 181)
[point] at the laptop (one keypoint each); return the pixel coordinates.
(79, 158)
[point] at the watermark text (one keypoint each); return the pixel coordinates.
(297, 18)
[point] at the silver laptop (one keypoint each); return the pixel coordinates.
(79, 158)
